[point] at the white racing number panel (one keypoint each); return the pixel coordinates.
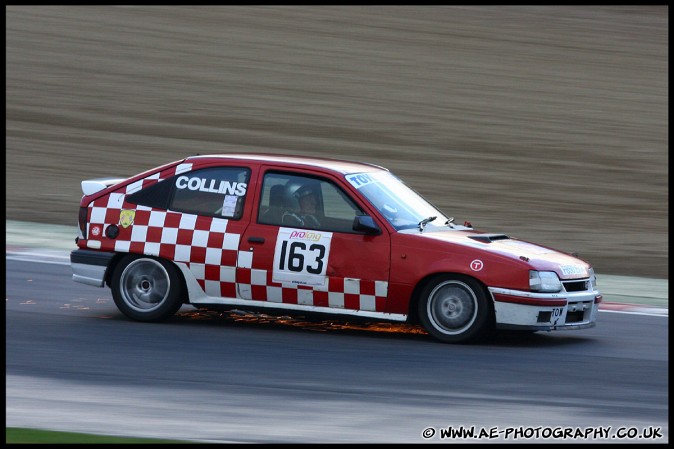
(301, 257)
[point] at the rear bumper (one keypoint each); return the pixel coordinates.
(90, 267)
(558, 311)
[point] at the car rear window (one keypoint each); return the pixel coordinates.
(216, 191)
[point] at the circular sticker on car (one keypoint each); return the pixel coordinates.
(476, 265)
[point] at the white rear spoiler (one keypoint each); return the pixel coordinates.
(91, 186)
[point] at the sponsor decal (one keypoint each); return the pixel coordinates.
(476, 265)
(359, 180)
(126, 217)
(211, 185)
(95, 231)
(305, 235)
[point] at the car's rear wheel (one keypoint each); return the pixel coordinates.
(454, 309)
(146, 288)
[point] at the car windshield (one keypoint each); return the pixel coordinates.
(399, 204)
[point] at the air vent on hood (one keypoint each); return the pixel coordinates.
(488, 238)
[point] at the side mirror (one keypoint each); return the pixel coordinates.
(366, 224)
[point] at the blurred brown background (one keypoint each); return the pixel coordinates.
(548, 123)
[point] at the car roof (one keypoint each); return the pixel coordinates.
(337, 165)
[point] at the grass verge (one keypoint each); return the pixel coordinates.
(18, 435)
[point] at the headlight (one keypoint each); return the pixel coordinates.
(593, 279)
(544, 281)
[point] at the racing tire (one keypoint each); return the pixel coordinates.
(455, 309)
(146, 288)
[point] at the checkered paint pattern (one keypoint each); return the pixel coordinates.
(208, 246)
(106, 210)
(340, 293)
(204, 244)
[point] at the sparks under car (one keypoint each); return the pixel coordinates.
(316, 235)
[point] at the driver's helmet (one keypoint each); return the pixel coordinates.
(304, 190)
(296, 190)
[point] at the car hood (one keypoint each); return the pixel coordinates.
(537, 256)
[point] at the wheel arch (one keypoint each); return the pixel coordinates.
(412, 309)
(120, 257)
(112, 266)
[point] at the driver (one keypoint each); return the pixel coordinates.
(306, 216)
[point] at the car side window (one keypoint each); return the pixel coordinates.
(218, 192)
(297, 201)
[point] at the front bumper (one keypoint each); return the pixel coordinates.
(90, 267)
(540, 311)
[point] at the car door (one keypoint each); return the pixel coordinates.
(322, 264)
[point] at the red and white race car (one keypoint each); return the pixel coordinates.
(316, 235)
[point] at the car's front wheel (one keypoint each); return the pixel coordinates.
(454, 309)
(146, 288)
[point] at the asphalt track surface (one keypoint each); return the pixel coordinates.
(547, 123)
(73, 362)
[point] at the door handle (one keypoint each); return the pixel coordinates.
(255, 239)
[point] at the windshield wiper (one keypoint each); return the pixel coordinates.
(450, 222)
(423, 222)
